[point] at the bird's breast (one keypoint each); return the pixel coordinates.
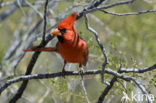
(71, 52)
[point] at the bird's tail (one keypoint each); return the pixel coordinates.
(53, 49)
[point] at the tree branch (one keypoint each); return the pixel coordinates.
(106, 6)
(125, 70)
(59, 74)
(135, 70)
(45, 20)
(116, 4)
(101, 47)
(125, 14)
(107, 89)
(76, 73)
(7, 3)
(35, 9)
(90, 7)
(67, 73)
(19, 34)
(7, 12)
(142, 88)
(29, 70)
(23, 5)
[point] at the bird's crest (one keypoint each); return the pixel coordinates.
(68, 22)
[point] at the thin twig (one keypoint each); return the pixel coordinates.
(142, 88)
(19, 34)
(108, 88)
(125, 14)
(116, 4)
(19, 3)
(19, 55)
(138, 84)
(22, 5)
(7, 3)
(41, 100)
(121, 70)
(45, 20)
(29, 70)
(101, 47)
(84, 90)
(105, 7)
(35, 9)
(7, 12)
(90, 7)
(135, 70)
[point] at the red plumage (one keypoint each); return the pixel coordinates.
(70, 46)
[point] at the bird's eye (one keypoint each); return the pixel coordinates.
(62, 31)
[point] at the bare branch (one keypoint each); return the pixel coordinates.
(7, 12)
(138, 84)
(85, 91)
(18, 57)
(45, 20)
(116, 4)
(19, 34)
(68, 73)
(89, 72)
(59, 74)
(22, 5)
(114, 79)
(88, 10)
(108, 88)
(90, 7)
(135, 70)
(29, 70)
(7, 3)
(125, 14)
(14, 6)
(30, 66)
(83, 87)
(100, 45)
(142, 88)
(41, 100)
(35, 9)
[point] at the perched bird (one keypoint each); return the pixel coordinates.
(70, 45)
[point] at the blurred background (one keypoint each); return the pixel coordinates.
(129, 39)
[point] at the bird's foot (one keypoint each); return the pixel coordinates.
(63, 73)
(81, 73)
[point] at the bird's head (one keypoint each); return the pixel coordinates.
(64, 25)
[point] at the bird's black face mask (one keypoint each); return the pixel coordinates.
(61, 38)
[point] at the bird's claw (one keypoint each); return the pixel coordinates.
(81, 73)
(63, 73)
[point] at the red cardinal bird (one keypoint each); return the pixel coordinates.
(70, 45)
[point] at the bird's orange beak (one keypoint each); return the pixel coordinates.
(56, 32)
